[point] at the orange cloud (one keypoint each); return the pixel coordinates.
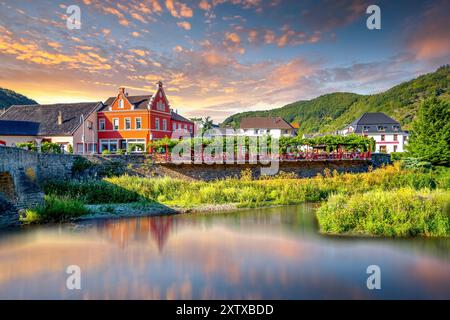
(204, 5)
(179, 9)
(185, 25)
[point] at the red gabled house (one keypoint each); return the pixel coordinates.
(131, 122)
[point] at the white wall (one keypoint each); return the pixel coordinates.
(276, 133)
(13, 140)
(389, 142)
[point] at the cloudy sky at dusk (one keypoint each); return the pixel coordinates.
(217, 57)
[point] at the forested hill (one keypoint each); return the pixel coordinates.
(9, 98)
(330, 112)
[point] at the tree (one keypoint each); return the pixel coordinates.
(207, 124)
(430, 136)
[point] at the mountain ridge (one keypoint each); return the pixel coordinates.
(10, 97)
(332, 111)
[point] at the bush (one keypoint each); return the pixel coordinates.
(55, 209)
(403, 212)
(121, 151)
(105, 152)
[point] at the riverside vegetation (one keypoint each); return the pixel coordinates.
(391, 201)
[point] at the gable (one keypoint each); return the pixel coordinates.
(160, 102)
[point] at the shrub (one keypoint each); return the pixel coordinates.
(105, 152)
(55, 209)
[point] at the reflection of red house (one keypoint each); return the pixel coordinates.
(131, 122)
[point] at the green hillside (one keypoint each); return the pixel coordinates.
(333, 111)
(9, 98)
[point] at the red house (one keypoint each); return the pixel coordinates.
(131, 122)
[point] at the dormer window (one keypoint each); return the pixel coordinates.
(381, 128)
(396, 128)
(121, 104)
(366, 128)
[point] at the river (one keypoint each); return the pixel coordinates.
(272, 253)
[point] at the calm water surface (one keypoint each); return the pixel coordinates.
(264, 253)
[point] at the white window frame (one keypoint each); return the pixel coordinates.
(121, 104)
(164, 124)
(125, 124)
(157, 124)
(174, 126)
(136, 123)
(101, 122)
(114, 124)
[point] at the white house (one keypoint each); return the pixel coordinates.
(386, 132)
(273, 126)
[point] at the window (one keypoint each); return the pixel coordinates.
(138, 123)
(179, 126)
(101, 124)
(160, 106)
(174, 126)
(366, 128)
(79, 148)
(127, 124)
(157, 123)
(164, 124)
(115, 124)
(383, 149)
(191, 129)
(396, 128)
(121, 103)
(381, 128)
(185, 127)
(395, 148)
(395, 137)
(383, 138)
(110, 145)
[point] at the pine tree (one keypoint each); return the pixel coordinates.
(430, 137)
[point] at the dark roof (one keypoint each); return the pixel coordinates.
(139, 102)
(18, 128)
(175, 116)
(370, 122)
(374, 118)
(46, 117)
(265, 123)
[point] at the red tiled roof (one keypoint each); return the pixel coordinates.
(265, 123)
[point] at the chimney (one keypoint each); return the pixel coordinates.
(60, 120)
(122, 90)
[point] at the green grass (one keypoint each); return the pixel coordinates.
(396, 213)
(55, 209)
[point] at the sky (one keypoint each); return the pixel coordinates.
(217, 57)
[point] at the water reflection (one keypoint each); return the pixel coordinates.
(264, 253)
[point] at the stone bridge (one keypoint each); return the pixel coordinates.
(20, 174)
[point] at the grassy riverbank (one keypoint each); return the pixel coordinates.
(181, 195)
(398, 213)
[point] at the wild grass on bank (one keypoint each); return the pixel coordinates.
(279, 190)
(400, 213)
(55, 209)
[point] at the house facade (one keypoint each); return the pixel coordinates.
(273, 126)
(123, 122)
(129, 123)
(69, 124)
(387, 132)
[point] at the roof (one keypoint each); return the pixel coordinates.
(42, 120)
(175, 116)
(370, 122)
(139, 102)
(265, 123)
(19, 128)
(374, 118)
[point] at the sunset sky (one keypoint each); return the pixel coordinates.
(217, 57)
